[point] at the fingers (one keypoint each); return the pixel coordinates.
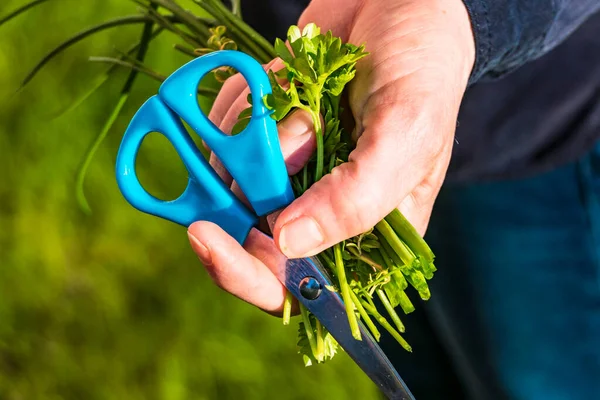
(297, 140)
(251, 272)
(233, 269)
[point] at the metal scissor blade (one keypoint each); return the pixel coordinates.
(329, 309)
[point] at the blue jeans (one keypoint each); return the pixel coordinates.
(515, 307)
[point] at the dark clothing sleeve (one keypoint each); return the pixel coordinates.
(509, 33)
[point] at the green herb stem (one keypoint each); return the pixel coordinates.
(242, 38)
(388, 307)
(427, 267)
(202, 91)
(385, 257)
(365, 259)
(316, 117)
(136, 67)
(287, 308)
(298, 189)
(367, 320)
(327, 260)
(409, 235)
(395, 242)
(399, 279)
(386, 325)
(309, 330)
(405, 303)
(320, 355)
(185, 50)
(332, 162)
(246, 30)
(236, 8)
(79, 192)
(304, 178)
(385, 247)
(345, 291)
(194, 24)
(167, 24)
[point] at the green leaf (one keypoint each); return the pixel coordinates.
(242, 122)
(337, 81)
(303, 71)
(331, 346)
(332, 134)
(311, 30)
(283, 73)
(304, 346)
(280, 100)
(239, 126)
(294, 33)
(246, 113)
(282, 51)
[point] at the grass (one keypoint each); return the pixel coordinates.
(114, 304)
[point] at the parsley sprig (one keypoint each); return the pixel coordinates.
(318, 67)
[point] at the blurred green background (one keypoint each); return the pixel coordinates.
(114, 304)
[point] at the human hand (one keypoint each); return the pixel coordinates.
(404, 99)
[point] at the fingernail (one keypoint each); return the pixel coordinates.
(201, 250)
(297, 123)
(299, 237)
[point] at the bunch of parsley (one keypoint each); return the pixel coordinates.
(377, 265)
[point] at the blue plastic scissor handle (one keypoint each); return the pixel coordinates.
(252, 157)
(206, 197)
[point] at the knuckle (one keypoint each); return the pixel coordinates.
(219, 271)
(434, 146)
(424, 194)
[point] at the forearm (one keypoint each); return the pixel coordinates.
(510, 33)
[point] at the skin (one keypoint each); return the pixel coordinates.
(405, 101)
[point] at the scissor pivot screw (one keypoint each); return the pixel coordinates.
(310, 288)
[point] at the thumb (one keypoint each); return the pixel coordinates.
(382, 171)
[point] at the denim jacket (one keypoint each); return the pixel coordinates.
(533, 100)
(534, 97)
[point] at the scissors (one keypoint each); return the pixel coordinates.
(254, 159)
